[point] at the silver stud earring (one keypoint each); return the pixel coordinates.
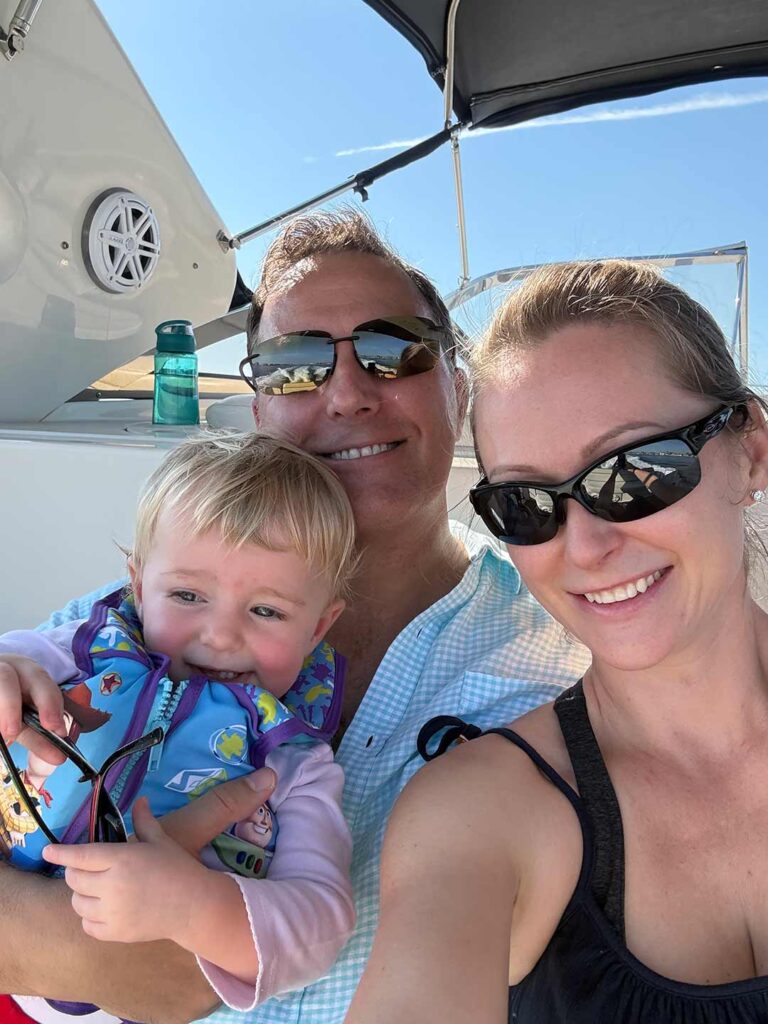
(757, 495)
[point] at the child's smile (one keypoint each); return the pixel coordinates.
(244, 614)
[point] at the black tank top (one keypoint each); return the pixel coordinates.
(586, 975)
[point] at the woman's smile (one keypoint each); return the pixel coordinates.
(627, 598)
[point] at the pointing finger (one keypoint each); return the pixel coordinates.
(146, 827)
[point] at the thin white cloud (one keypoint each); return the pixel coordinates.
(382, 147)
(695, 104)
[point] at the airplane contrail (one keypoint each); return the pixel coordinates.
(722, 102)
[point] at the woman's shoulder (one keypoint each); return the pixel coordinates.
(494, 756)
(496, 784)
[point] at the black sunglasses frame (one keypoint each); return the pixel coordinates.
(438, 340)
(695, 436)
(106, 823)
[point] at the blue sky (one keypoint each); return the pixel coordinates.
(268, 99)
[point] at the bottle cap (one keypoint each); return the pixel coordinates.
(175, 336)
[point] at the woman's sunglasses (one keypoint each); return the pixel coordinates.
(389, 348)
(628, 484)
(105, 822)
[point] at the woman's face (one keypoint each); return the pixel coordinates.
(583, 392)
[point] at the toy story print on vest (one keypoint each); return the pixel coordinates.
(214, 731)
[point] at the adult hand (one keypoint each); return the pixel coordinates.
(23, 681)
(201, 820)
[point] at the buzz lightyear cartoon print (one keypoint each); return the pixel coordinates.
(247, 847)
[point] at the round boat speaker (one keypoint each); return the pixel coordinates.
(121, 241)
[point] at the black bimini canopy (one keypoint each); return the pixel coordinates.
(514, 60)
(520, 59)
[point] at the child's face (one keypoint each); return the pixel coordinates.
(244, 615)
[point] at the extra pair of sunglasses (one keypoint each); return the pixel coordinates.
(628, 484)
(105, 822)
(390, 348)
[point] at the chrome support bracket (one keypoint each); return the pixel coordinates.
(12, 42)
(225, 242)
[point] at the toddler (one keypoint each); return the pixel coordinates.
(243, 551)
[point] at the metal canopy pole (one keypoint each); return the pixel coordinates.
(743, 317)
(460, 208)
(358, 183)
(450, 52)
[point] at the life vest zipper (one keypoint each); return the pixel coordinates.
(165, 705)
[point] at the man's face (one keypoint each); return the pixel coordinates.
(415, 420)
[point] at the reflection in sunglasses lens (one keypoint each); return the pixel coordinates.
(521, 515)
(390, 349)
(641, 481)
(288, 380)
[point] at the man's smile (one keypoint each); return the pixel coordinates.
(362, 452)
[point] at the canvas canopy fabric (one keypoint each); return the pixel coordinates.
(520, 59)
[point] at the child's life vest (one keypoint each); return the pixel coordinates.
(213, 731)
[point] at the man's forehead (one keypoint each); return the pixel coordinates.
(340, 285)
(294, 275)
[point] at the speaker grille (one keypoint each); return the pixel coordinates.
(121, 241)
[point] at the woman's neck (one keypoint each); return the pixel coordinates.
(703, 701)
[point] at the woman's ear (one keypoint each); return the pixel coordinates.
(135, 576)
(754, 441)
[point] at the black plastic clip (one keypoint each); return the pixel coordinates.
(452, 729)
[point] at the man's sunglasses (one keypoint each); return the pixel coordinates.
(390, 348)
(628, 484)
(105, 822)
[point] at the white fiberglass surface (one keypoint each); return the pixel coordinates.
(73, 503)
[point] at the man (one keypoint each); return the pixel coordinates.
(438, 624)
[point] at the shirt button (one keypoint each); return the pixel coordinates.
(369, 741)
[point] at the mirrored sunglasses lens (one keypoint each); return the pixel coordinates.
(519, 515)
(391, 357)
(641, 481)
(291, 363)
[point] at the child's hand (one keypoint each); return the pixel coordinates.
(132, 892)
(23, 681)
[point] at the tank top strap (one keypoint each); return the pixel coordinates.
(544, 767)
(599, 800)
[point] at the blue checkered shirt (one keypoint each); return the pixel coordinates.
(485, 652)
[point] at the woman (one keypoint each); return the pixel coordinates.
(606, 861)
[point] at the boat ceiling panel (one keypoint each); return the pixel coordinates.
(520, 59)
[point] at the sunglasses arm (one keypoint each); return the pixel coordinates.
(136, 746)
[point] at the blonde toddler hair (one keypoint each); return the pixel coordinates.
(255, 489)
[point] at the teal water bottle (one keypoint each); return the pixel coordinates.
(176, 398)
